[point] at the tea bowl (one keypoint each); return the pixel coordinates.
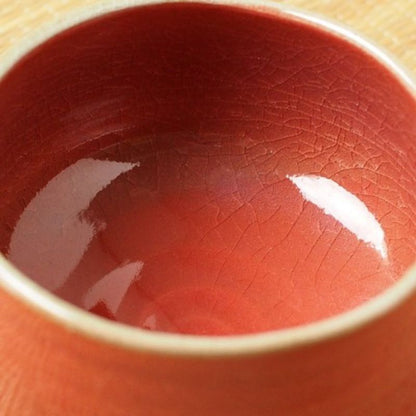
(305, 93)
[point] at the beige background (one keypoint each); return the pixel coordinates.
(390, 23)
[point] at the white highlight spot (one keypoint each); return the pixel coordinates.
(345, 207)
(112, 288)
(52, 224)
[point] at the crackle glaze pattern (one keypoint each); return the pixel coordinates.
(329, 111)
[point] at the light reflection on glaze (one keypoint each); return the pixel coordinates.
(345, 207)
(43, 233)
(112, 288)
(167, 245)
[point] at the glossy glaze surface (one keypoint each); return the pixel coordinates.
(189, 235)
(368, 370)
(207, 178)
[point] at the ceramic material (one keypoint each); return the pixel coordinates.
(256, 73)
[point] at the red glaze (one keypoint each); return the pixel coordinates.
(188, 234)
(221, 111)
(50, 370)
(216, 122)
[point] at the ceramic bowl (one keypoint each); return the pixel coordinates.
(291, 84)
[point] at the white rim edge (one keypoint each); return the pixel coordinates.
(78, 320)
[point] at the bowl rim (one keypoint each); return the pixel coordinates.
(77, 320)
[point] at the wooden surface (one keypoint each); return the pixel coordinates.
(390, 23)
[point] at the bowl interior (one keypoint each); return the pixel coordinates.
(262, 170)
